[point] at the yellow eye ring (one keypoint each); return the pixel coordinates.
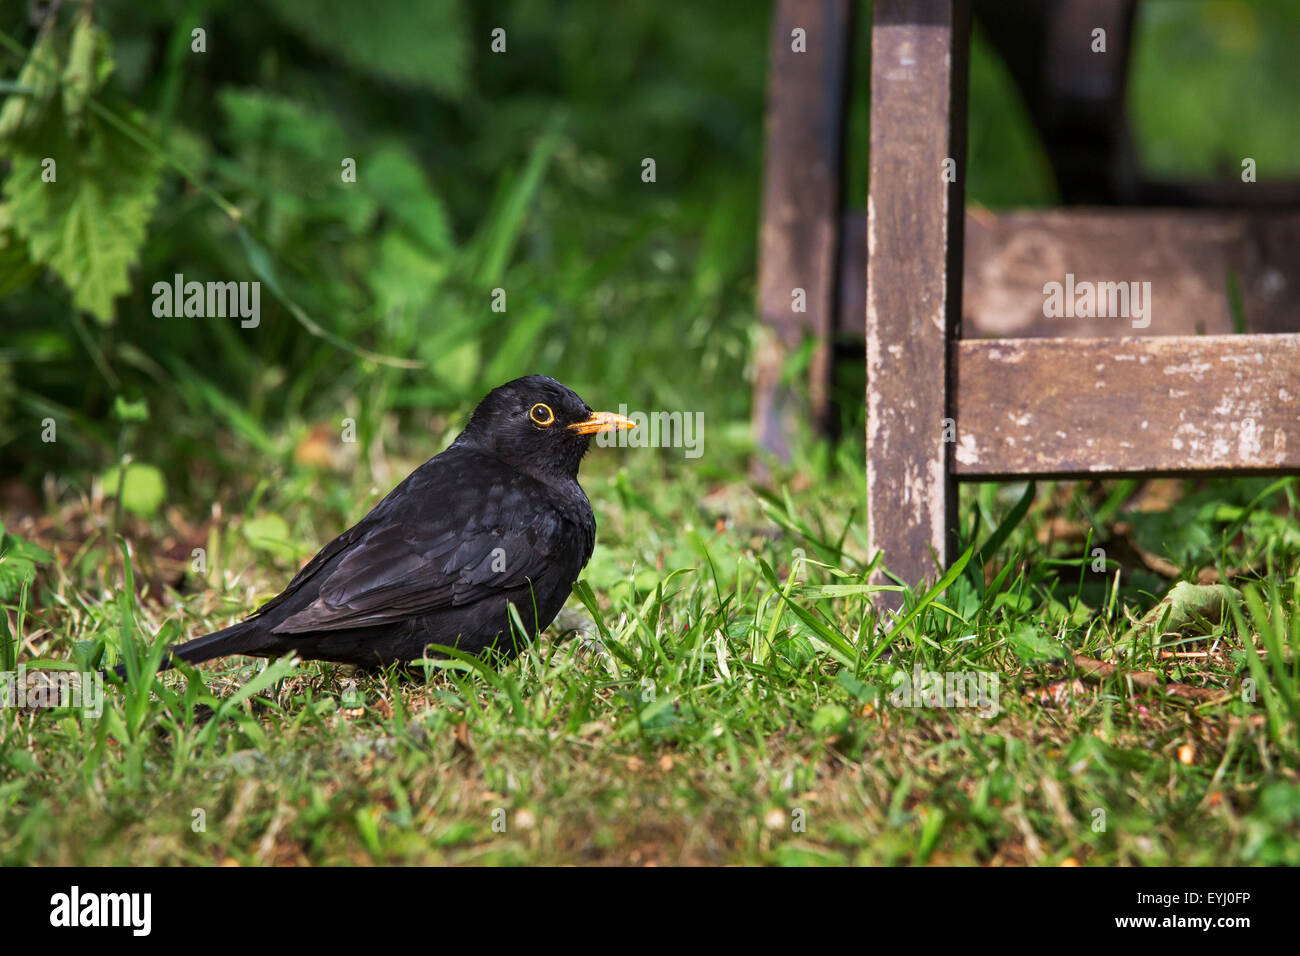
(541, 414)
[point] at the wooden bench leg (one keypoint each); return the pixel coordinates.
(919, 57)
(797, 274)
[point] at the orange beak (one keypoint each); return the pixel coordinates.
(602, 422)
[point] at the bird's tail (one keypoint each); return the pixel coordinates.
(241, 638)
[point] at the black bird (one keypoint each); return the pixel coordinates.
(497, 519)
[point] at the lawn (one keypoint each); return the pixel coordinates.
(1119, 660)
(719, 690)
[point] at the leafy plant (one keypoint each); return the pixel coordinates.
(79, 193)
(19, 560)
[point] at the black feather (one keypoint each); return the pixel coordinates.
(497, 519)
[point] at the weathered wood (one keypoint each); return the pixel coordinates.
(801, 214)
(1135, 406)
(919, 51)
(1187, 257)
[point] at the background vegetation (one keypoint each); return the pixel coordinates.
(719, 678)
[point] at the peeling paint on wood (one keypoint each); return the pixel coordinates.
(913, 300)
(1187, 256)
(1034, 405)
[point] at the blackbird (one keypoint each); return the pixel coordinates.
(497, 519)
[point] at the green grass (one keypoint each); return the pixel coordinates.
(718, 690)
(721, 694)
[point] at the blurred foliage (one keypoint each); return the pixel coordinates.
(1213, 82)
(475, 170)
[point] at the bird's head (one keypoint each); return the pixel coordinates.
(537, 425)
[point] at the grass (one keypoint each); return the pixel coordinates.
(718, 691)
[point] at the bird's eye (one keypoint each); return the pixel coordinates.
(541, 414)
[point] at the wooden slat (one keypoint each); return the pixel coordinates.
(801, 214)
(1187, 257)
(919, 52)
(1135, 406)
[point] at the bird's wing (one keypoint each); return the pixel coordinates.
(476, 541)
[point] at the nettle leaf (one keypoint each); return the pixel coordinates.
(89, 223)
(18, 562)
(288, 154)
(392, 175)
(16, 268)
(258, 119)
(403, 278)
(1029, 644)
(421, 45)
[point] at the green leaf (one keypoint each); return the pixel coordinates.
(13, 546)
(145, 489)
(1186, 605)
(458, 363)
(494, 243)
(22, 761)
(16, 268)
(424, 45)
(270, 533)
(39, 75)
(403, 279)
(1029, 644)
(862, 691)
(255, 118)
(841, 590)
(127, 411)
(89, 223)
(89, 65)
(837, 645)
(273, 673)
(18, 561)
(830, 719)
(288, 155)
(928, 598)
(1000, 534)
(397, 182)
